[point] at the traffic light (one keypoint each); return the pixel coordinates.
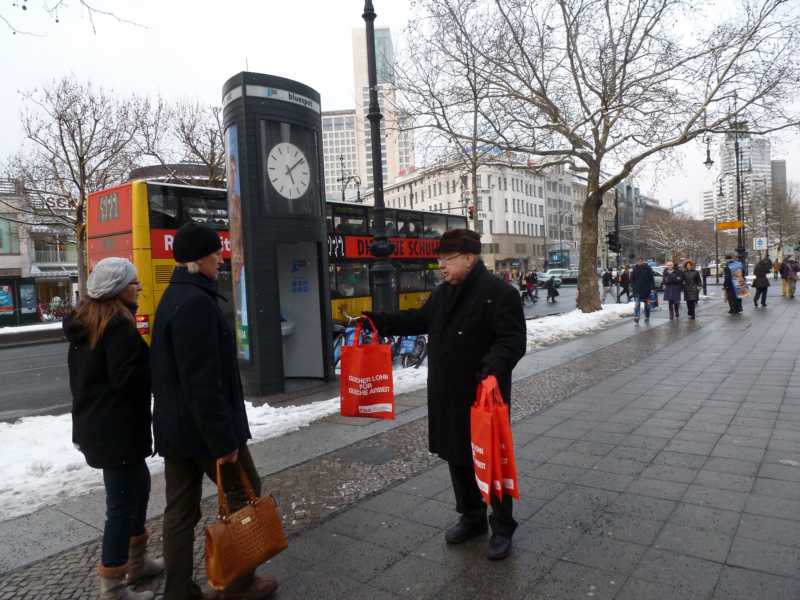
(612, 240)
(471, 212)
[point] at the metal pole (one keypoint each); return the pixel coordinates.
(382, 270)
(616, 229)
(740, 251)
(560, 242)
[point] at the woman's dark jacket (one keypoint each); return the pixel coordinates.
(763, 268)
(199, 407)
(692, 284)
(110, 386)
(474, 329)
(643, 281)
(673, 285)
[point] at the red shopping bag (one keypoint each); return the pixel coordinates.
(366, 386)
(482, 439)
(492, 443)
(507, 480)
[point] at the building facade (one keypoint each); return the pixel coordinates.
(340, 155)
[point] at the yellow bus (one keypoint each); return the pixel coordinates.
(138, 221)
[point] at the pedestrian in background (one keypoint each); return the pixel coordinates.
(692, 284)
(776, 268)
(624, 279)
(552, 289)
(732, 283)
(761, 281)
(787, 273)
(109, 377)
(199, 415)
(476, 328)
(607, 279)
(530, 286)
(643, 283)
(673, 289)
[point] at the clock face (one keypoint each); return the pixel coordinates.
(288, 170)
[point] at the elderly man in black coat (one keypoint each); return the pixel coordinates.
(199, 415)
(476, 328)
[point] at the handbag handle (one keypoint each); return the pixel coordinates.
(359, 324)
(486, 392)
(222, 500)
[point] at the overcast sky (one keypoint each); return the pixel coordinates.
(188, 49)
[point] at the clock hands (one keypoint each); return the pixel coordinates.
(294, 166)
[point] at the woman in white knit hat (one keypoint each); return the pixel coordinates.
(110, 381)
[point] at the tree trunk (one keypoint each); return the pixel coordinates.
(588, 299)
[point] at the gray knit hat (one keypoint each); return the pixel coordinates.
(109, 277)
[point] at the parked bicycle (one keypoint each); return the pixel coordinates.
(407, 350)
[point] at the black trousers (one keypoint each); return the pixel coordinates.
(184, 479)
(690, 306)
(470, 504)
(761, 293)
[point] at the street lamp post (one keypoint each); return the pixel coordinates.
(346, 179)
(381, 249)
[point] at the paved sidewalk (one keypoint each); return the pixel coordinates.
(668, 467)
(678, 478)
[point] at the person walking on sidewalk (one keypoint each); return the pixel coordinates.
(733, 271)
(552, 290)
(692, 284)
(625, 285)
(776, 268)
(644, 284)
(476, 328)
(787, 277)
(761, 281)
(109, 376)
(673, 288)
(199, 413)
(608, 279)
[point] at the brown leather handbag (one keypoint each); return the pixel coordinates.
(238, 543)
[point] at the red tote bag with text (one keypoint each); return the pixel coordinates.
(507, 480)
(482, 438)
(366, 386)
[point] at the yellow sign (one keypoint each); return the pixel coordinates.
(729, 225)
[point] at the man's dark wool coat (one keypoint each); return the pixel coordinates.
(110, 386)
(199, 407)
(476, 328)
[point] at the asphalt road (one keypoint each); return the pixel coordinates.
(34, 381)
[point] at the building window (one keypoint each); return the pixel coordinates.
(9, 235)
(491, 226)
(478, 181)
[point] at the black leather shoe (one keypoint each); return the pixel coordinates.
(499, 547)
(465, 530)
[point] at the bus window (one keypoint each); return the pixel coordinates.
(412, 279)
(432, 277)
(352, 279)
(435, 226)
(454, 222)
(163, 209)
(329, 220)
(409, 224)
(206, 210)
(350, 221)
(391, 222)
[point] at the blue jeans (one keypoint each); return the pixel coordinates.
(127, 494)
(637, 307)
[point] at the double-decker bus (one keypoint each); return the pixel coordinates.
(138, 221)
(415, 236)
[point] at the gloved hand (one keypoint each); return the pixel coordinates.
(483, 372)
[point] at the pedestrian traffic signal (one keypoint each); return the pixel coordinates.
(471, 212)
(612, 240)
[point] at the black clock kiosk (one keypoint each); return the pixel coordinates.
(279, 264)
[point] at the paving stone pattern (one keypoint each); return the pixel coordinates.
(666, 466)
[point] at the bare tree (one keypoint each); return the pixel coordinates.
(445, 89)
(57, 10)
(608, 84)
(78, 140)
(184, 132)
(676, 236)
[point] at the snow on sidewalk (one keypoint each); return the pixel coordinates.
(41, 467)
(549, 330)
(30, 328)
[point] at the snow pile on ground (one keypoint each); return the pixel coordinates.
(549, 330)
(41, 467)
(29, 328)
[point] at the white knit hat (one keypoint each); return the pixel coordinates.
(109, 277)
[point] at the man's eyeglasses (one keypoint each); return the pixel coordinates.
(443, 260)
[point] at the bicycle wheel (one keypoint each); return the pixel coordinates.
(337, 349)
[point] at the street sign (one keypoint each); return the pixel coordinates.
(760, 243)
(729, 225)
